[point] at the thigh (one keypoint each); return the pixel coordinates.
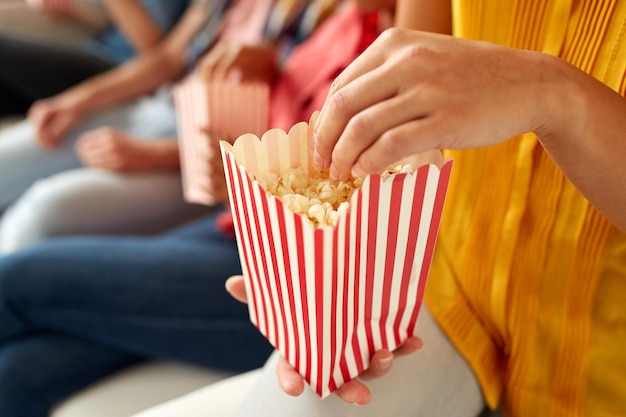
(90, 201)
(23, 161)
(34, 69)
(154, 297)
(42, 369)
(435, 381)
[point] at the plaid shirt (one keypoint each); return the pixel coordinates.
(289, 23)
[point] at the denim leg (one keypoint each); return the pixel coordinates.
(42, 369)
(157, 297)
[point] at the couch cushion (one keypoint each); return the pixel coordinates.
(137, 388)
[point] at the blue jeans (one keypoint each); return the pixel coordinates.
(74, 310)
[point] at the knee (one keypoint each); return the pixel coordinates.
(34, 217)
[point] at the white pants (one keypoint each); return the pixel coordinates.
(90, 201)
(87, 200)
(433, 382)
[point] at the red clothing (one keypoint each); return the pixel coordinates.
(310, 70)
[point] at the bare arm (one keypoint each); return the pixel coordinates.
(425, 15)
(584, 131)
(53, 117)
(134, 21)
(415, 91)
(141, 75)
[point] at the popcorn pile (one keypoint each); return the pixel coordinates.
(320, 198)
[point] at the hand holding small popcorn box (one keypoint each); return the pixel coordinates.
(334, 271)
(208, 112)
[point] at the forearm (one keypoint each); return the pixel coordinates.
(164, 154)
(584, 131)
(144, 74)
(425, 15)
(129, 81)
(132, 19)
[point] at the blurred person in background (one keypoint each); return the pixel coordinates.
(34, 68)
(524, 306)
(136, 186)
(74, 310)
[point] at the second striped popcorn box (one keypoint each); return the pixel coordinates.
(225, 109)
(329, 290)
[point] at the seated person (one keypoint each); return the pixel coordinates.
(111, 301)
(137, 186)
(32, 69)
(524, 303)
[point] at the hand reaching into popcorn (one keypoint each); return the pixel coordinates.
(413, 91)
(353, 391)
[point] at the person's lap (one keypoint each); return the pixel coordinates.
(88, 201)
(40, 369)
(128, 298)
(435, 381)
(23, 161)
(161, 297)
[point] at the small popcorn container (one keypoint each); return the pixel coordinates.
(328, 297)
(225, 109)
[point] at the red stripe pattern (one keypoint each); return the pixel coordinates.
(328, 298)
(226, 109)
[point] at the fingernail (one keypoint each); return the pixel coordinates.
(333, 171)
(318, 161)
(357, 171)
(317, 125)
(385, 363)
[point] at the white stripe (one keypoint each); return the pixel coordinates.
(380, 258)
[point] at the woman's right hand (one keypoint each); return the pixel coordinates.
(412, 92)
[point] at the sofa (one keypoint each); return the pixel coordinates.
(140, 387)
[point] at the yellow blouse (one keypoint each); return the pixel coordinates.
(529, 280)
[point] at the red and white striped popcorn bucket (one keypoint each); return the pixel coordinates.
(54, 6)
(227, 109)
(329, 297)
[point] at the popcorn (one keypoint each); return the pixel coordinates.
(320, 198)
(304, 284)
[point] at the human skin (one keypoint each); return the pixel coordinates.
(443, 90)
(353, 391)
(414, 91)
(53, 117)
(115, 150)
(134, 21)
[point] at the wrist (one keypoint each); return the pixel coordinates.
(561, 106)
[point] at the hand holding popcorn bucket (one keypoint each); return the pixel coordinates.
(334, 271)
